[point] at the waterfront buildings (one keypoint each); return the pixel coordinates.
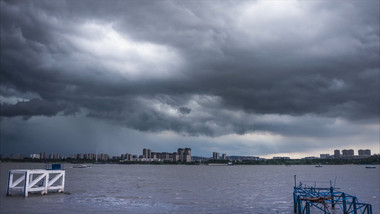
(35, 156)
(215, 155)
(281, 158)
(348, 154)
(182, 154)
(310, 158)
(103, 157)
(147, 153)
(324, 156)
(364, 152)
(187, 155)
(42, 155)
(243, 158)
(336, 153)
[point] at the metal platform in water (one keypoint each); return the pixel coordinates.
(326, 200)
(41, 181)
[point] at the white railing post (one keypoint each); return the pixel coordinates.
(46, 183)
(63, 181)
(26, 184)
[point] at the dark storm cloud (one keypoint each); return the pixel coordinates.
(193, 67)
(31, 108)
(184, 110)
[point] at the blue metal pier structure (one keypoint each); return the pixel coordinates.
(307, 198)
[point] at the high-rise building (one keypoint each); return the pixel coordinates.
(91, 156)
(364, 152)
(42, 155)
(187, 155)
(103, 157)
(215, 155)
(336, 153)
(347, 153)
(146, 153)
(175, 156)
(180, 152)
(165, 156)
(224, 156)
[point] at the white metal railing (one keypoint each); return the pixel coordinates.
(35, 180)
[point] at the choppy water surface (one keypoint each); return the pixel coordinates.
(186, 189)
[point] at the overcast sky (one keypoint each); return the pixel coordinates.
(263, 78)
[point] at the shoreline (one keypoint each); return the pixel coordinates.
(294, 162)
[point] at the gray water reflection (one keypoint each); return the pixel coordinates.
(186, 189)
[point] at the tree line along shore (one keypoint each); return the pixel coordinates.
(374, 159)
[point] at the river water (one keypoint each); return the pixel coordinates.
(112, 188)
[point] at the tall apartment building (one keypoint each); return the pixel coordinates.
(175, 156)
(103, 157)
(125, 156)
(215, 155)
(364, 152)
(163, 155)
(91, 156)
(347, 153)
(147, 153)
(187, 155)
(51, 156)
(180, 152)
(337, 154)
(224, 156)
(42, 155)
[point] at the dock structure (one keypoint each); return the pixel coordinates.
(307, 198)
(35, 180)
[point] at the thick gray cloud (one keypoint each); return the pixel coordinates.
(196, 68)
(31, 108)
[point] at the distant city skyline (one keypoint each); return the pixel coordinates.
(185, 154)
(262, 78)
